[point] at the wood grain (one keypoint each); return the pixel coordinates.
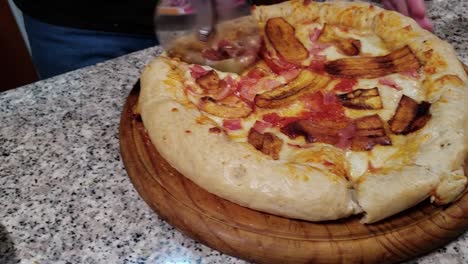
(265, 238)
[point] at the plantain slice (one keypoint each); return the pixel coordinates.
(282, 36)
(306, 82)
(370, 126)
(325, 131)
(399, 60)
(348, 46)
(409, 116)
(231, 107)
(267, 143)
(365, 133)
(303, 79)
(362, 99)
(369, 132)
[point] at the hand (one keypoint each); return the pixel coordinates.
(412, 8)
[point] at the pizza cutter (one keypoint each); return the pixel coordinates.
(218, 33)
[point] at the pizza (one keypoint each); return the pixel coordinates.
(348, 109)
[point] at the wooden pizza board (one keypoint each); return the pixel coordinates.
(266, 238)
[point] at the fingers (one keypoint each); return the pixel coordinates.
(412, 8)
(425, 23)
(388, 5)
(417, 8)
(401, 6)
(417, 11)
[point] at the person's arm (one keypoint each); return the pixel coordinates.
(412, 8)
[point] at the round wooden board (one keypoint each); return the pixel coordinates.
(265, 238)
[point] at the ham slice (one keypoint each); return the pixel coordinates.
(232, 124)
(390, 83)
(197, 71)
(261, 126)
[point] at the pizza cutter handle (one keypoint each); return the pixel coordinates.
(206, 19)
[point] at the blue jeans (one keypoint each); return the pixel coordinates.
(56, 50)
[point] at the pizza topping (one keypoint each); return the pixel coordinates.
(401, 60)
(317, 64)
(277, 65)
(411, 74)
(409, 116)
(193, 90)
(229, 107)
(279, 121)
(345, 85)
(267, 143)
(348, 46)
(325, 131)
(197, 71)
(316, 46)
(232, 124)
(261, 126)
(346, 135)
(303, 80)
(368, 143)
(305, 83)
(329, 98)
(362, 99)
(315, 34)
(389, 82)
(290, 74)
(213, 86)
(323, 106)
(215, 130)
(249, 87)
(209, 82)
(369, 126)
(224, 90)
(225, 49)
(369, 132)
(257, 73)
(358, 135)
(282, 36)
(227, 86)
(214, 55)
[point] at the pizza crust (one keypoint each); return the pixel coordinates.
(436, 169)
(232, 170)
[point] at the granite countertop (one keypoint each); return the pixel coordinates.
(65, 196)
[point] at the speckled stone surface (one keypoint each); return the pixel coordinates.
(65, 196)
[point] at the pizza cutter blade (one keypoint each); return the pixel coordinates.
(220, 34)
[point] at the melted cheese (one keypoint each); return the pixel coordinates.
(371, 45)
(357, 164)
(380, 155)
